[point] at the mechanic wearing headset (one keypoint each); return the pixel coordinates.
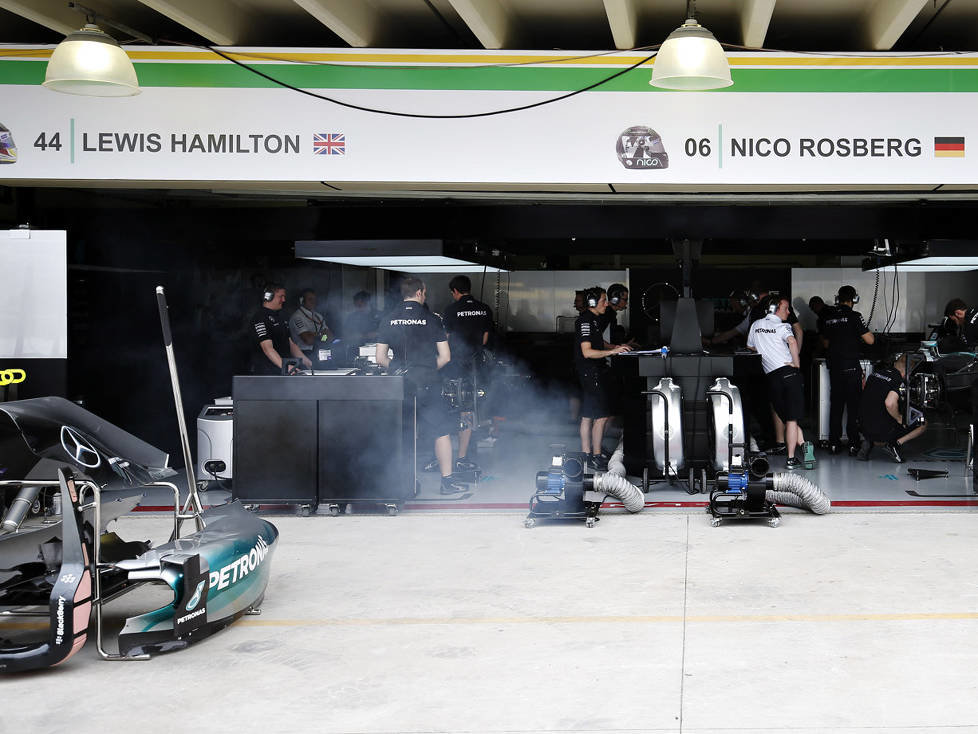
(844, 331)
(420, 347)
(617, 301)
(307, 326)
(772, 337)
(272, 342)
(468, 323)
(879, 412)
(590, 359)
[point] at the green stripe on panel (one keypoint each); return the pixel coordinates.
(518, 78)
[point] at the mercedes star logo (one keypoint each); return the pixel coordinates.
(79, 449)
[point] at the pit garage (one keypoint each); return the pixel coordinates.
(336, 163)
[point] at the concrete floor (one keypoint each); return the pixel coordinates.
(657, 622)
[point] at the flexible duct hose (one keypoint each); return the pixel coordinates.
(620, 488)
(615, 483)
(616, 464)
(796, 491)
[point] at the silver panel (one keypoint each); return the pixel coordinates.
(659, 409)
(723, 419)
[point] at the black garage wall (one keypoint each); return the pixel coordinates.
(116, 361)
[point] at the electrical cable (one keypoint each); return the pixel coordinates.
(876, 290)
(395, 113)
(896, 305)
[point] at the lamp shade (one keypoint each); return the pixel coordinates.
(91, 62)
(691, 58)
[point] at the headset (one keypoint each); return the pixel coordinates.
(616, 291)
(302, 296)
(849, 289)
(269, 293)
(592, 295)
(773, 300)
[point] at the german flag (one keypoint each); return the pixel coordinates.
(949, 147)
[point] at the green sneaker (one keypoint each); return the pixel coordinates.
(809, 455)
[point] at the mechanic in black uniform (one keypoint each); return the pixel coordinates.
(272, 341)
(468, 323)
(590, 359)
(950, 334)
(844, 331)
(420, 346)
(617, 301)
(966, 340)
(879, 412)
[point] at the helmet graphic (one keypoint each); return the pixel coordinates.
(8, 151)
(641, 147)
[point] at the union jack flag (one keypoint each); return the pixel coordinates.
(329, 143)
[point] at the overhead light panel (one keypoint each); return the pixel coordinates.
(691, 58)
(930, 256)
(930, 265)
(406, 256)
(461, 268)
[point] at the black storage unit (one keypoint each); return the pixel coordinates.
(323, 438)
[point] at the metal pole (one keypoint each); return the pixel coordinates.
(192, 497)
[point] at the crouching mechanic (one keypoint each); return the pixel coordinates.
(879, 412)
(420, 346)
(773, 338)
(590, 359)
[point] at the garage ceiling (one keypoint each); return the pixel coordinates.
(785, 25)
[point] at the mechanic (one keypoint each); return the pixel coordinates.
(966, 340)
(579, 301)
(772, 433)
(360, 325)
(272, 341)
(617, 301)
(574, 385)
(468, 323)
(959, 330)
(590, 359)
(744, 301)
(879, 412)
(307, 326)
(844, 332)
(772, 337)
(420, 346)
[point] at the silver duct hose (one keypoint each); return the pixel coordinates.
(795, 490)
(614, 483)
(18, 509)
(616, 464)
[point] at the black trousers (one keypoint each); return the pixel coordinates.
(846, 385)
